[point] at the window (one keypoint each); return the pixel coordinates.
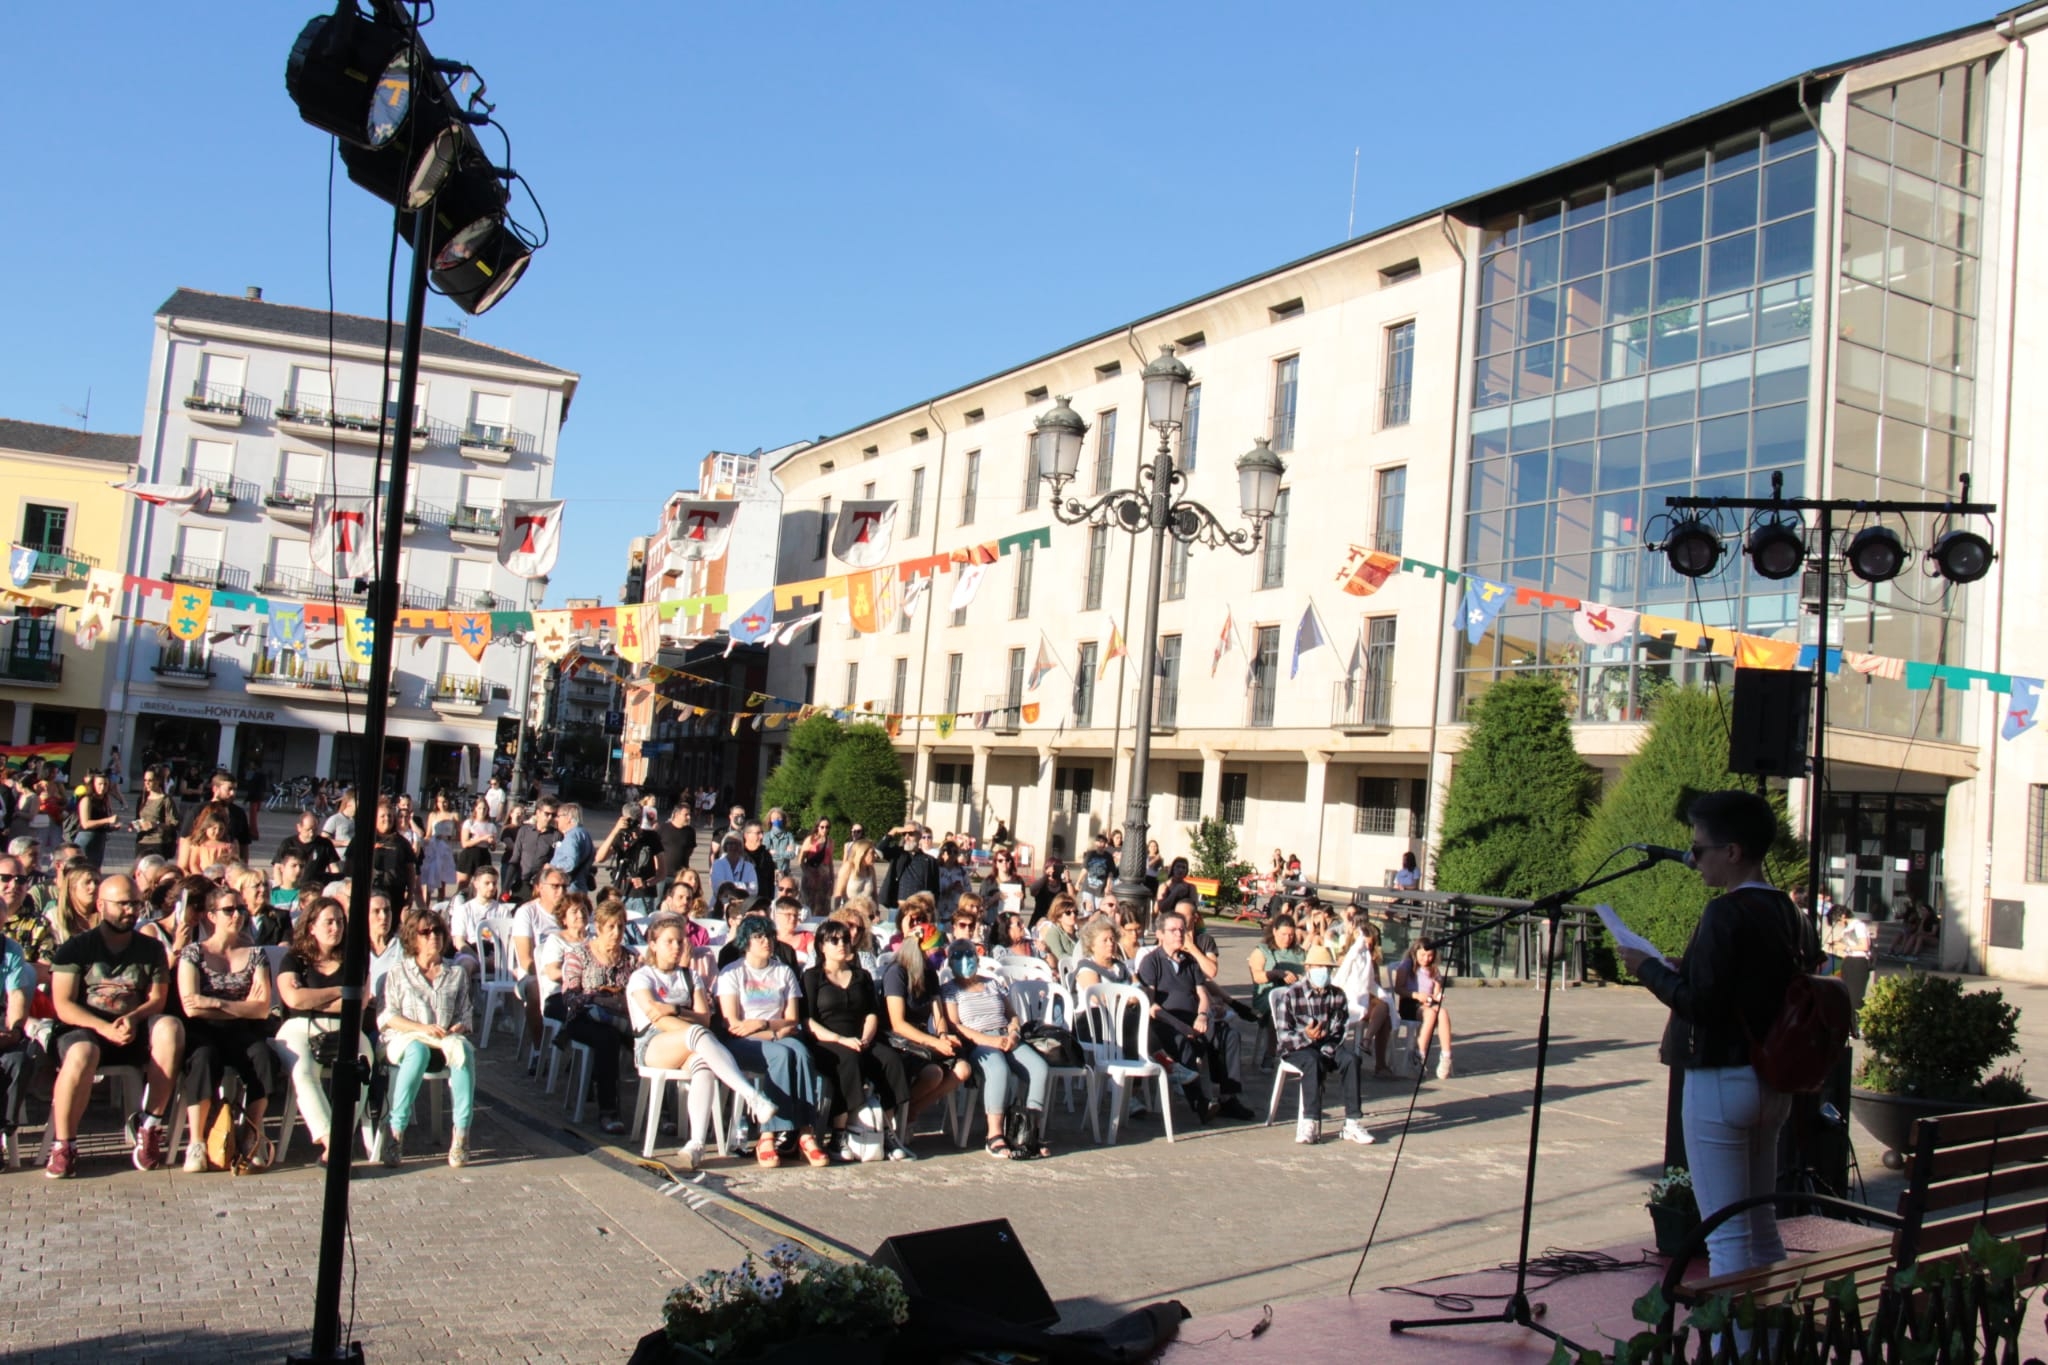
(1098, 561)
(867, 492)
(1187, 796)
(1084, 684)
(952, 783)
(1166, 683)
(1236, 786)
(1031, 479)
(490, 416)
(470, 585)
(1400, 271)
(221, 377)
(1280, 312)
(974, 415)
(1375, 692)
(1379, 805)
(914, 522)
(1273, 550)
(1105, 449)
(44, 527)
(1191, 428)
(482, 493)
(1037, 395)
(971, 488)
(1013, 692)
(1389, 500)
(1286, 387)
(852, 684)
(921, 434)
(954, 664)
(213, 464)
(959, 616)
(1176, 569)
(1418, 807)
(311, 393)
(1073, 790)
(810, 682)
(1265, 674)
(824, 529)
(2037, 834)
(1400, 375)
(1109, 369)
(900, 687)
(1020, 598)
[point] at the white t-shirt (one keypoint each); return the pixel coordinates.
(548, 952)
(532, 920)
(667, 988)
(466, 921)
(340, 830)
(763, 994)
(494, 802)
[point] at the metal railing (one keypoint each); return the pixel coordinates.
(1512, 951)
(312, 675)
(181, 660)
(208, 573)
(300, 582)
(353, 414)
(225, 398)
(492, 436)
(1165, 705)
(291, 493)
(427, 514)
(1362, 703)
(1258, 705)
(459, 687)
(459, 600)
(420, 599)
(1004, 715)
(224, 486)
(54, 561)
(476, 520)
(38, 662)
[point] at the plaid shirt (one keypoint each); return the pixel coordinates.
(1296, 1006)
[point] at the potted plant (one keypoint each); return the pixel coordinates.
(1927, 1046)
(1674, 1211)
(785, 1306)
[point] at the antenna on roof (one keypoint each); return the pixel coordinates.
(459, 326)
(84, 414)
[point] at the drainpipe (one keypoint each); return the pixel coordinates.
(1447, 649)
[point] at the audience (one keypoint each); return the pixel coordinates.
(845, 1022)
(594, 976)
(1310, 1017)
(426, 1011)
(532, 923)
(309, 984)
(762, 1002)
(1419, 991)
(672, 1031)
(21, 1054)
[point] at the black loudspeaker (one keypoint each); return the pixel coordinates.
(977, 1266)
(1767, 732)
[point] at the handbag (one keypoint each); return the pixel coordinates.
(327, 1047)
(1807, 1035)
(917, 1054)
(1057, 1045)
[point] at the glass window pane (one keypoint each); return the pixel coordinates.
(1781, 373)
(1682, 173)
(1536, 372)
(1855, 437)
(1905, 389)
(1489, 433)
(1863, 247)
(1496, 328)
(1497, 275)
(1789, 136)
(1628, 236)
(1627, 351)
(1737, 154)
(1671, 393)
(1899, 451)
(1586, 205)
(1728, 326)
(1528, 532)
(1632, 189)
(1778, 435)
(1571, 470)
(1734, 205)
(1949, 400)
(1614, 520)
(1959, 218)
(1678, 278)
(1670, 454)
(1906, 325)
(1582, 304)
(1628, 292)
(1542, 219)
(1621, 406)
(1502, 231)
(1858, 376)
(1573, 417)
(1529, 480)
(1731, 263)
(1785, 312)
(1495, 381)
(1675, 338)
(1488, 488)
(1870, 133)
(1954, 342)
(1679, 219)
(1867, 188)
(1531, 425)
(1788, 186)
(1724, 444)
(1913, 208)
(1859, 316)
(1539, 316)
(1919, 103)
(1954, 280)
(1483, 537)
(1539, 263)
(1579, 365)
(1788, 247)
(1584, 249)
(1914, 151)
(1724, 385)
(1621, 461)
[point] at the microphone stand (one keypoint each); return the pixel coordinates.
(1517, 1310)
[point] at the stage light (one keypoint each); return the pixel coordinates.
(1961, 556)
(1777, 550)
(481, 265)
(1692, 548)
(1876, 555)
(351, 76)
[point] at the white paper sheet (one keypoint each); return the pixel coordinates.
(1625, 936)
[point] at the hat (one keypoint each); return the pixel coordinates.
(1320, 956)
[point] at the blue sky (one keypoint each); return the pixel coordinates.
(773, 221)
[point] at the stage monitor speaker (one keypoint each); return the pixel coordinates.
(1767, 730)
(977, 1266)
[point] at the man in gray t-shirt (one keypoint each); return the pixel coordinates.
(340, 828)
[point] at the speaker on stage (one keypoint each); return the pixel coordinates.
(977, 1266)
(1767, 730)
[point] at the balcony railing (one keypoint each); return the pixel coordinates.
(181, 664)
(460, 599)
(1258, 706)
(480, 521)
(489, 438)
(1363, 703)
(209, 573)
(1004, 716)
(31, 663)
(292, 582)
(458, 692)
(349, 418)
(306, 675)
(427, 514)
(227, 404)
(223, 488)
(291, 494)
(54, 561)
(1165, 706)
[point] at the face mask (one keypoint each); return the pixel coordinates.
(1319, 977)
(775, 824)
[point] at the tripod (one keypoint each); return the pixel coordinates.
(1517, 1310)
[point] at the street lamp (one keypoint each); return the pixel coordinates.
(1152, 506)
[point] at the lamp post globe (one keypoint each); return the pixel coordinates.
(1259, 472)
(1056, 442)
(1166, 389)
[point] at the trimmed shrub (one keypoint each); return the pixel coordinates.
(861, 784)
(1212, 849)
(1518, 796)
(794, 783)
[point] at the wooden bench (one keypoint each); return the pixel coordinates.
(1987, 1166)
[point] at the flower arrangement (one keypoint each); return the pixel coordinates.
(782, 1295)
(1674, 1191)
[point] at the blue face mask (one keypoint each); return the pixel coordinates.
(1319, 977)
(775, 824)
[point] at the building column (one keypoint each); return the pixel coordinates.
(1212, 783)
(23, 711)
(323, 754)
(415, 765)
(226, 757)
(978, 796)
(1312, 802)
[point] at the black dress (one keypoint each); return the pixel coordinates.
(843, 1010)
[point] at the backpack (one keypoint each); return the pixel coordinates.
(1807, 1035)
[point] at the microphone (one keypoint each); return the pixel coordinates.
(1658, 853)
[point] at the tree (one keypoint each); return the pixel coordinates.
(794, 783)
(1519, 795)
(860, 784)
(1684, 756)
(1215, 855)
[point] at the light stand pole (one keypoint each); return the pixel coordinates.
(1152, 508)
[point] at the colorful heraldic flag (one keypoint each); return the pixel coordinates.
(2022, 706)
(96, 616)
(287, 634)
(942, 726)
(913, 596)
(885, 596)
(966, 583)
(21, 565)
(471, 631)
(1307, 636)
(860, 602)
(702, 528)
(756, 622)
(358, 636)
(530, 535)
(1598, 624)
(190, 608)
(861, 535)
(636, 636)
(1115, 651)
(552, 635)
(1483, 600)
(1042, 666)
(1365, 571)
(1223, 642)
(340, 544)
(183, 496)
(1029, 712)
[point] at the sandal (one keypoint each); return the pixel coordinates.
(997, 1148)
(765, 1153)
(813, 1153)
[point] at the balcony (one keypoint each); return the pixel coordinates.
(474, 526)
(29, 662)
(1258, 706)
(279, 581)
(1362, 705)
(426, 514)
(456, 694)
(223, 491)
(183, 665)
(462, 599)
(207, 573)
(343, 419)
(412, 598)
(488, 443)
(53, 562)
(305, 679)
(290, 502)
(223, 405)
(1165, 707)
(1003, 715)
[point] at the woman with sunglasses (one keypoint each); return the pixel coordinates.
(426, 1010)
(224, 986)
(814, 870)
(845, 1025)
(1002, 887)
(762, 1000)
(934, 1056)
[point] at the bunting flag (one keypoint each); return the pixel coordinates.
(1603, 625)
(358, 635)
(2022, 705)
(913, 595)
(1307, 636)
(530, 536)
(1757, 651)
(1029, 712)
(287, 634)
(787, 634)
(636, 635)
(862, 531)
(1483, 600)
(340, 544)
(1365, 571)
(942, 726)
(102, 601)
(1115, 651)
(966, 583)
(860, 603)
(471, 631)
(21, 565)
(190, 608)
(1223, 642)
(755, 623)
(1041, 666)
(183, 496)
(702, 527)
(885, 598)
(552, 635)
(1875, 665)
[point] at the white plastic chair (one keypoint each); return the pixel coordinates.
(1401, 1043)
(128, 1085)
(289, 1113)
(716, 928)
(581, 1058)
(1106, 1005)
(1049, 1002)
(1283, 1072)
(501, 980)
(654, 1082)
(1016, 967)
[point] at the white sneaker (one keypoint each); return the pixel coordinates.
(1354, 1131)
(690, 1156)
(1306, 1131)
(762, 1108)
(1443, 1065)
(195, 1157)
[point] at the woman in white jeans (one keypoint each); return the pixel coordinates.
(309, 983)
(1726, 989)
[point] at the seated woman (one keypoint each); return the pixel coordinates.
(845, 1023)
(224, 986)
(426, 1010)
(1921, 929)
(385, 949)
(309, 983)
(594, 976)
(1056, 930)
(788, 913)
(671, 1018)
(857, 916)
(76, 907)
(762, 1003)
(573, 913)
(1358, 975)
(1419, 993)
(1276, 962)
(269, 924)
(1014, 939)
(1130, 935)
(934, 1057)
(1099, 960)
(979, 1008)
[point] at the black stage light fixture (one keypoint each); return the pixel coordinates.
(1961, 556)
(1776, 549)
(476, 256)
(409, 171)
(1693, 548)
(351, 76)
(473, 193)
(1876, 554)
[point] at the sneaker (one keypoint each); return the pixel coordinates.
(10, 1150)
(150, 1145)
(1233, 1108)
(63, 1155)
(612, 1124)
(394, 1147)
(690, 1156)
(1443, 1065)
(763, 1109)
(1354, 1131)
(458, 1148)
(195, 1157)
(898, 1152)
(1306, 1131)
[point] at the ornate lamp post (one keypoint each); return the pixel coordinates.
(1153, 508)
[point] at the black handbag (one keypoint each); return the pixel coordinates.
(327, 1047)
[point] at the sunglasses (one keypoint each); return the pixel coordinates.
(13, 876)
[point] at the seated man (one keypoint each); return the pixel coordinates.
(1309, 1019)
(1183, 1022)
(466, 918)
(111, 988)
(531, 923)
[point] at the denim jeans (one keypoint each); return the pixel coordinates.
(410, 1052)
(999, 1068)
(1731, 1147)
(792, 1085)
